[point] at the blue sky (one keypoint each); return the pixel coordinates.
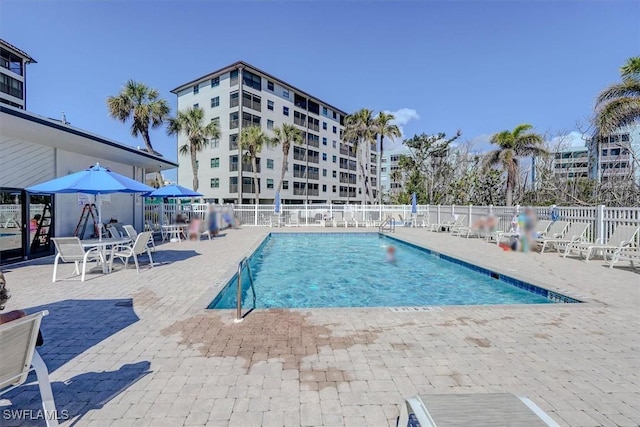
(480, 66)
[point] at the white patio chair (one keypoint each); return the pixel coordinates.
(623, 236)
(19, 357)
(541, 228)
(339, 220)
(133, 234)
(443, 224)
(70, 250)
(575, 233)
(275, 220)
(293, 219)
(555, 231)
(630, 254)
(138, 247)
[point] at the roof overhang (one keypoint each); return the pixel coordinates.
(20, 125)
(19, 52)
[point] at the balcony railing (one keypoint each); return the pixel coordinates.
(252, 104)
(348, 180)
(233, 124)
(314, 143)
(314, 159)
(299, 121)
(315, 176)
(234, 102)
(299, 191)
(301, 157)
(313, 192)
(233, 167)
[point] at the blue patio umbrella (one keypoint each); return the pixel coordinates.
(95, 180)
(173, 190)
(277, 207)
(414, 203)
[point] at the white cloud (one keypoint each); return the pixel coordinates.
(402, 117)
(571, 139)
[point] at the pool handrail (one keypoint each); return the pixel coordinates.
(239, 316)
(390, 222)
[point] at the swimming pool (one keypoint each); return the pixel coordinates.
(299, 270)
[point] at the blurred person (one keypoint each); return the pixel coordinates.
(15, 314)
(33, 224)
(391, 255)
(528, 219)
(194, 229)
(212, 222)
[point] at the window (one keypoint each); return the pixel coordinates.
(214, 142)
(324, 188)
(334, 174)
(250, 120)
(324, 172)
(251, 80)
(233, 120)
(215, 81)
(335, 144)
(324, 141)
(269, 124)
(270, 105)
(196, 89)
(234, 99)
(334, 115)
(196, 105)
(285, 93)
(324, 111)
(324, 125)
(215, 162)
(216, 120)
(334, 188)
(233, 78)
(269, 85)
(285, 111)
(215, 102)
(233, 141)
(269, 163)
(285, 185)
(215, 182)
(252, 101)
(334, 159)
(324, 156)
(335, 129)
(269, 183)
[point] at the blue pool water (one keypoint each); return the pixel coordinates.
(350, 270)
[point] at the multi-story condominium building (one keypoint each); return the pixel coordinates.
(13, 75)
(390, 182)
(615, 156)
(322, 169)
(572, 162)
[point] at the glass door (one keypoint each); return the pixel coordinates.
(40, 225)
(12, 216)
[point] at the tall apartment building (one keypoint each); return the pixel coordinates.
(572, 162)
(13, 75)
(390, 182)
(616, 155)
(321, 170)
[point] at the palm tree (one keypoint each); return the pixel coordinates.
(513, 144)
(619, 105)
(360, 129)
(253, 139)
(143, 106)
(286, 135)
(384, 128)
(191, 123)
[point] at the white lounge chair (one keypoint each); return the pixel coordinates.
(294, 220)
(541, 228)
(138, 247)
(444, 224)
(420, 221)
(70, 250)
(575, 233)
(133, 235)
(19, 357)
(275, 220)
(338, 219)
(631, 254)
(460, 223)
(555, 231)
(623, 236)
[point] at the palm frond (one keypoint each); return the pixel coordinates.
(618, 113)
(628, 88)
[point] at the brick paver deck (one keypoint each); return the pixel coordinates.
(140, 349)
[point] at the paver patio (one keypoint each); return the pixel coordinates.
(140, 349)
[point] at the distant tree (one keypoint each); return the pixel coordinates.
(512, 145)
(619, 105)
(143, 106)
(191, 123)
(252, 140)
(285, 136)
(384, 128)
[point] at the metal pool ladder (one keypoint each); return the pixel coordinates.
(239, 316)
(390, 223)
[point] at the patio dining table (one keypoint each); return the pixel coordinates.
(103, 244)
(174, 231)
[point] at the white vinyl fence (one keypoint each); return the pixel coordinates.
(603, 220)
